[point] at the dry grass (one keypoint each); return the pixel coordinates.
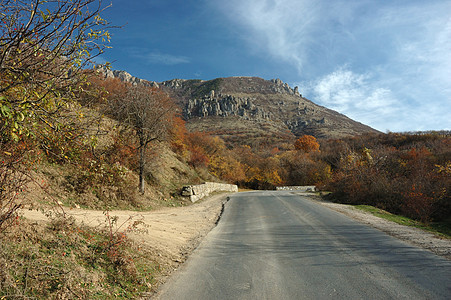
(60, 260)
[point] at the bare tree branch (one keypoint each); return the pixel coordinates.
(149, 112)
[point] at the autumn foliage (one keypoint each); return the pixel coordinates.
(408, 174)
(403, 173)
(306, 143)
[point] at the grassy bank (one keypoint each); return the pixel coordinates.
(62, 260)
(441, 229)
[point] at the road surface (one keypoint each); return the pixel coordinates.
(279, 245)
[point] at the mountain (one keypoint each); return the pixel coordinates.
(252, 110)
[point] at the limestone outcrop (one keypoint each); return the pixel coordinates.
(283, 88)
(125, 76)
(224, 106)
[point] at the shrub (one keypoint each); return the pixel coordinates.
(403, 174)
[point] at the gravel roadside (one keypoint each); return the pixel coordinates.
(411, 235)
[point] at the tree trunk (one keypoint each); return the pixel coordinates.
(142, 162)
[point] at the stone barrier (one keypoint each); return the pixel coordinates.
(305, 188)
(199, 191)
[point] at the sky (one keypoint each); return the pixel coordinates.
(385, 63)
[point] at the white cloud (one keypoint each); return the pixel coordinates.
(166, 59)
(155, 57)
(280, 27)
(418, 42)
(397, 54)
(363, 97)
(354, 95)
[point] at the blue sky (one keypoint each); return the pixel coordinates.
(385, 63)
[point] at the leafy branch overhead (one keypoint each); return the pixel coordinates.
(44, 48)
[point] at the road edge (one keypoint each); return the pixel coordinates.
(411, 235)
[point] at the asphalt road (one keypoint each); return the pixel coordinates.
(278, 245)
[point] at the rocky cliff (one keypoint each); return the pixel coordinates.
(224, 106)
(124, 76)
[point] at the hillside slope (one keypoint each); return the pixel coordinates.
(254, 109)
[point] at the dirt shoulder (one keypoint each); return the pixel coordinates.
(411, 235)
(171, 234)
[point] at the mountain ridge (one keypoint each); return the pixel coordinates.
(252, 110)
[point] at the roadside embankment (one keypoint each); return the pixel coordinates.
(170, 234)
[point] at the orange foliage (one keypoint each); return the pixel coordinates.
(415, 154)
(275, 151)
(227, 168)
(198, 158)
(417, 205)
(403, 173)
(306, 143)
(179, 136)
(210, 144)
(99, 90)
(123, 151)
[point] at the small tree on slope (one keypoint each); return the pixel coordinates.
(149, 112)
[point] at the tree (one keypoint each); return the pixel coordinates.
(45, 47)
(149, 112)
(179, 135)
(302, 169)
(306, 143)
(227, 168)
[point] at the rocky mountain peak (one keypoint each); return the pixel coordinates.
(177, 83)
(124, 76)
(251, 109)
(281, 87)
(258, 103)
